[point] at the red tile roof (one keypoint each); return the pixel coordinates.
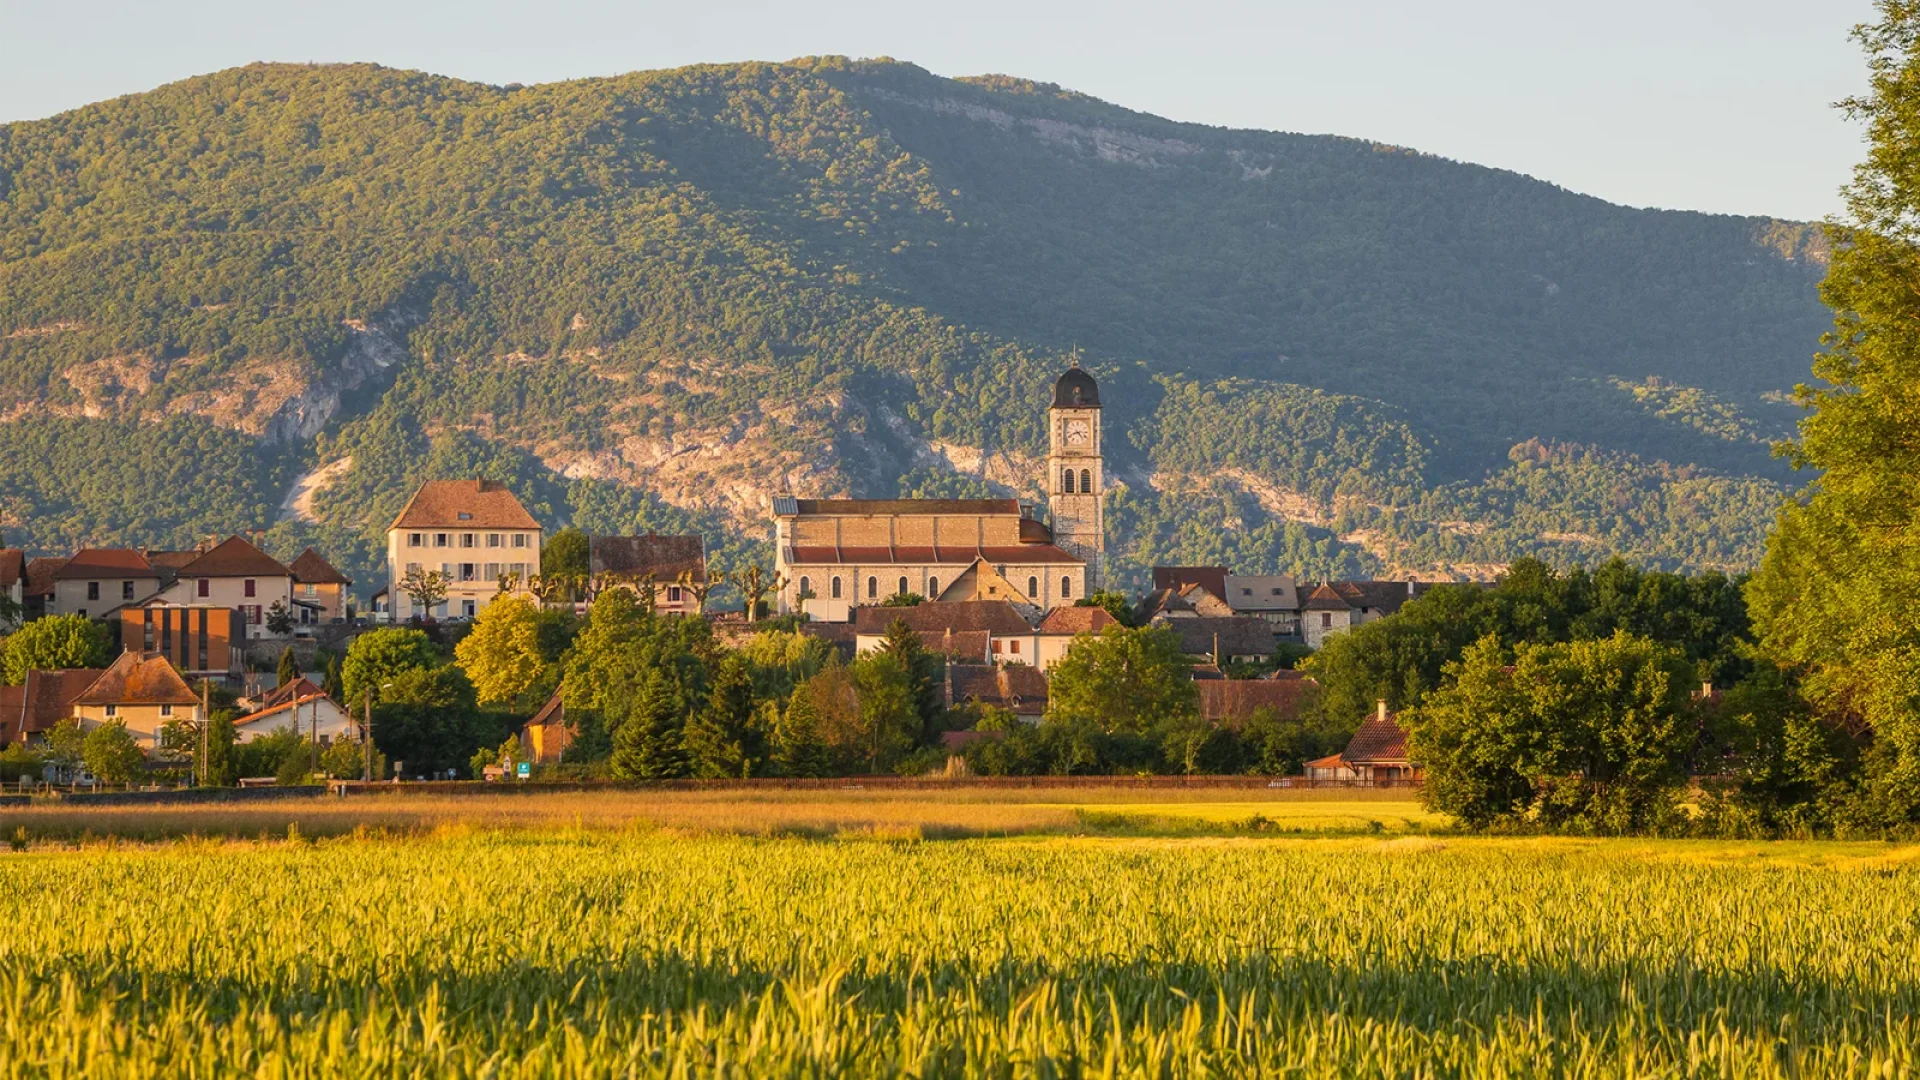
(311, 568)
(45, 699)
(1076, 620)
(137, 678)
(1019, 555)
(487, 503)
(40, 574)
(995, 616)
(234, 557)
(907, 506)
(1377, 742)
(13, 567)
(1233, 701)
(104, 563)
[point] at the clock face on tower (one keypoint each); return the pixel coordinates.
(1078, 431)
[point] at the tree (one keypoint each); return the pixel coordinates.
(1593, 732)
(1833, 598)
(112, 754)
(425, 588)
(1126, 680)
(376, 657)
(52, 643)
(279, 619)
(798, 748)
(502, 655)
(648, 743)
(289, 668)
(723, 739)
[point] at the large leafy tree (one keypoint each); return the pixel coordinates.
(1833, 600)
(1596, 730)
(502, 654)
(1126, 680)
(58, 641)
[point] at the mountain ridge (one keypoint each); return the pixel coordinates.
(649, 298)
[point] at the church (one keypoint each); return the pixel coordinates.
(834, 555)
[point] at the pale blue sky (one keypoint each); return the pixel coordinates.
(1720, 105)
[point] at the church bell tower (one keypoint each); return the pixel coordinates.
(1076, 475)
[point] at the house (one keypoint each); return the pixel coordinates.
(96, 580)
(1376, 756)
(319, 591)
(1018, 688)
(472, 532)
(13, 579)
(203, 641)
(665, 560)
(40, 585)
(849, 552)
(1232, 702)
(30, 710)
(1273, 597)
(546, 736)
(234, 574)
(142, 691)
(303, 707)
(1338, 606)
(1061, 626)
(1234, 637)
(1009, 636)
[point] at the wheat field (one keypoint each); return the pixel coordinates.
(567, 951)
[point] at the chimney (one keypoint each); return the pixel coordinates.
(1381, 710)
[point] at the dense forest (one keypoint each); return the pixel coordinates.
(645, 300)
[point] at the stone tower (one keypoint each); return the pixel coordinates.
(1076, 476)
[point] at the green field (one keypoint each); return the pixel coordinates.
(478, 943)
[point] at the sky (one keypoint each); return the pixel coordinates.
(1716, 105)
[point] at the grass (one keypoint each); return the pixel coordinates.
(932, 814)
(1058, 932)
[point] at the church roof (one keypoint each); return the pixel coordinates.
(1076, 390)
(856, 507)
(1016, 555)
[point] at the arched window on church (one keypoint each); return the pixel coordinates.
(835, 587)
(933, 588)
(873, 588)
(1033, 588)
(903, 586)
(1086, 481)
(1066, 481)
(1066, 588)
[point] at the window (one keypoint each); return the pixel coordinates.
(1033, 588)
(113, 710)
(493, 539)
(834, 588)
(1066, 481)
(166, 710)
(203, 587)
(933, 588)
(1066, 588)
(247, 588)
(93, 590)
(416, 539)
(903, 586)
(439, 539)
(1086, 480)
(873, 588)
(519, 539)
(126, 590)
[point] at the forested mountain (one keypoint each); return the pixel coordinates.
(648, 299)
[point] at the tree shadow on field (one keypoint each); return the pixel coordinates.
(1430, 994)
